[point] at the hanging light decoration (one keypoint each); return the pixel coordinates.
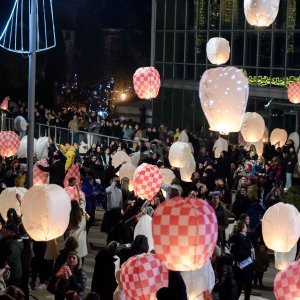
(287, 283)
(261, 13)
(176, 225)
(146, 82)
(294, 92)
(9, 143)
(278, 137)
(218, 50)
(179, 154)
(281, 227)
(45, 212)
(284, 259)
(253, 127)
(187, 171)
(224, 96)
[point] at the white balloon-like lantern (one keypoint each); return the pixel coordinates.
(294, 136)
(259, 146)
(294, 92)
(119, 157)
(9, 143)
(167, 175)
(179, 154)
(42, 145)
(183, 137)
(265, 137)
(218, 50)
(46, 212)
(8, 199)
(219, 146)
(20, 124)
(278, 137)
(127, 170)
(284, 259)
(281, 227)
(22, 151)
(223, 97)
(253, 127)
(261, 13)
(187, 171)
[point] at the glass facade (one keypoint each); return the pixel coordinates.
(269, 56)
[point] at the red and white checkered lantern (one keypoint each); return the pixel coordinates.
(142, 276)
(185, 233)
(73, 171)
(294, 92)
(147, 180)
(287, 283)
(146, 82)
(4, 104)
(40, 177)
(73, 193)
(9, 143)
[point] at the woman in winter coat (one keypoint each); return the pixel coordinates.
(290, 162)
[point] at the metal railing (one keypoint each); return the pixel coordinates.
(61, 135)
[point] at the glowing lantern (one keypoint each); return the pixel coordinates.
(219, 146)
(287, 283)
(20, 124)
(135, 158)
(45, 212)
(278, 137)
(146, 82)
(284, 259)
(224, 96)
(127, 170)
(74, 193)
(281, 227)
(146, 181)
(261, 13)
(179, 154)
(259, 146)
(22, 151)
(167, 175)
(74, 172)
(40, 177)
(142, 276)
(294, 92)
(265, 138)
(119, 157)
(253, 127)
(183, 137)
(42, 147)
(294, 136)
(8, 199)
(4, 104)
(9, 143)
(185, 232)
(187, 171)
(218, 50)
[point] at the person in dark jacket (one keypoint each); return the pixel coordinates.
(243, 253)
(241, 203)
(104, 281)
(255, 212)
(290, 161)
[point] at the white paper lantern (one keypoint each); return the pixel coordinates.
(179, 154)
(8, 199)
(219, 146)
(259, 146)
(218, 50)
(119, 157)
(224, 96)
(127, 170)
(261, 13)
(281, 227)
(253, 127)
(294, 136)
(42, 145)
(183, 137)
(135, 158)
(46, 212)
(167, 176)
(278, 137)
(265, 137)
(294, 92)
(187, 171)
(22, 152)
(284, 259)
(20, 124)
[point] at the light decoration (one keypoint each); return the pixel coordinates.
(146, 82)
(284, 259)
(218, 50)
(15, 35)
(187, 171)
(185, 233)
(46, 212)
(294, 92)
(119, 157)
(22, 151)
(281, 227)
(253, 127)
(179, 154)
(278, 137)
(8, 199)
(147, 180)
(142, 276)
(224, 95)
(9, 143)
(275, 81)
(287, 283)
(294, 136)
(261, 13)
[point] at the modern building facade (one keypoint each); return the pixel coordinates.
(269, 56)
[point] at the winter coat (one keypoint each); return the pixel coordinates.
(240, 205)
(240, 246)
(56, 172)
(69, 154)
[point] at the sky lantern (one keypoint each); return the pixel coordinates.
(278, 137)
(287, 283)
(73, 171)
(185, 233)
(20, 124)
(142, 276)
(42, 146)
(179, 154)
(265, 137)
(259, 146)
(294, 136)
(127, 170)
(5, 103)
(218, 50)
(294, 92)
(146, 82)
(40, 177)
(45, 212)
(187, 171)
(223, 96)
(219, 146)
(119, 157)
(167, 175)
(22, 151)
(9, 143)
(261, 13)
(284, 259)
(281, 227)
(147, 180)
(253, 127)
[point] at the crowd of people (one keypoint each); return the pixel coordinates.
(239, 185)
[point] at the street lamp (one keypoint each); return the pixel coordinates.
(123, 96)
